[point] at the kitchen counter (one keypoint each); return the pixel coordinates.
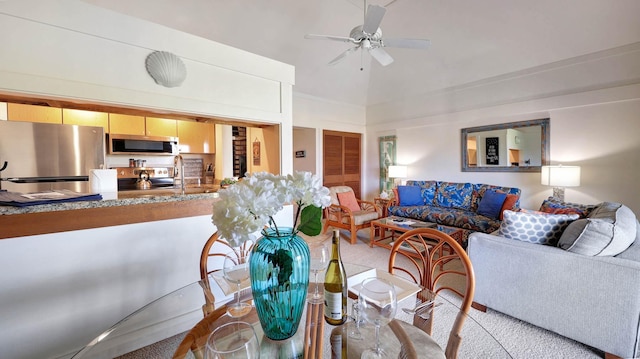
(130, 207)
(125, 198)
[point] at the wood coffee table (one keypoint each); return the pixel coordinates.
(401, 225)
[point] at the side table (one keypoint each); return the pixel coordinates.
(384, 203)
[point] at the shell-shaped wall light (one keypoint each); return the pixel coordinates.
(166, 68)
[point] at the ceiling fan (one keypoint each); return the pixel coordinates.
(368, 36)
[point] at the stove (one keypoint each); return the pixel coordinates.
(137, 178)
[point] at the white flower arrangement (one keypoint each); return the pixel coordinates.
(248, 206)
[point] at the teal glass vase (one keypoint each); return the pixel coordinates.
(279, 268)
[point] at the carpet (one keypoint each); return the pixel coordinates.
(521, 340)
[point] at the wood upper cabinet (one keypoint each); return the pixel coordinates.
(140, 125)
(156, 126)
(126, 124)
(33, 113)
(196, 137)
(86, 118)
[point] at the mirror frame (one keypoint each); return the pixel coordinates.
(544, 146)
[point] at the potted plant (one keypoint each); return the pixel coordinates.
(227, 182)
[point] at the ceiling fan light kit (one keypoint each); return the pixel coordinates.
(368, 36)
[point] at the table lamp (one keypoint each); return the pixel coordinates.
(396, 172)
(560, 177)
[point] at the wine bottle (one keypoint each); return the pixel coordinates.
(338, 340)
(335, 286)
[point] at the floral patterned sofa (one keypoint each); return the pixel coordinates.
(453, 204)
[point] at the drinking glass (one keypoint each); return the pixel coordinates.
(357, 321)
(319, 261)
(236, 270)
(235, 340)
(378, 306)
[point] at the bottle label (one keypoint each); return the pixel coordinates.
(336, 346)
(333, 305)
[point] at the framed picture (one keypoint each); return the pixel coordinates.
(493, 151)
(256, 152)
(387, 158)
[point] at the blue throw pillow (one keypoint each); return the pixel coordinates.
(491, 204)
(410, 196)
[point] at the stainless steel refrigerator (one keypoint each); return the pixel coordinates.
(41, 156)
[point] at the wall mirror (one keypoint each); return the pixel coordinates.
(509, 147)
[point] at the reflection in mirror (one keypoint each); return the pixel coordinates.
(509, 147)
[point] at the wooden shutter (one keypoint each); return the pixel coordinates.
(342, 160)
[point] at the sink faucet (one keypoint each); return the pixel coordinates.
(180, 171)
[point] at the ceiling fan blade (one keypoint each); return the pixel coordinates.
(421, 44)
(373, 18)
(342, 56)
(381, 56)
(329, 37)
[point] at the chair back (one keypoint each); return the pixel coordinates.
(333, 193)
(431, 259)
(209, 252)
(214, 250)
(196, 338)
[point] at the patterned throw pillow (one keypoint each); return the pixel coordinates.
(535, 228)
(555, 206)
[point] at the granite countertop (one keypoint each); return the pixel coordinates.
(124, 198)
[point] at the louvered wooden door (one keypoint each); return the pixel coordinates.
(342, 160)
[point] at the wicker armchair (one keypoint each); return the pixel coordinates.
(344, 213)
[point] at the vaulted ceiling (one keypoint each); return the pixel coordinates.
(471, 40)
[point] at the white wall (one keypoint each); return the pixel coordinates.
(320, 114)
(597, 130)
(304, 139)
(72, 50)
(62, 290)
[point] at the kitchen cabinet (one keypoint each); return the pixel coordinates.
(156, 126)
(85, 118)
(196, 137)
(126, 124)
(140, 125)
(33, 113)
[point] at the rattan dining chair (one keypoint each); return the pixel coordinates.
(209, 252)
(429, 258)
(407, 349)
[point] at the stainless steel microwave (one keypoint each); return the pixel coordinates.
(142, 145)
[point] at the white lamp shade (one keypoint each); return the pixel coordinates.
(397, 171)
(560, 176)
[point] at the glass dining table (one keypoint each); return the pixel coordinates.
(179, 311)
